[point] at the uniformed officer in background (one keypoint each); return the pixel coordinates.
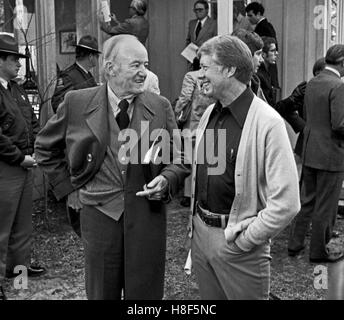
(78, 75)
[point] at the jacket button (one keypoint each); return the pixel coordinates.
(89, 158)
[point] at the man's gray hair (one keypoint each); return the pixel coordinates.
(140, 6)
(111, 48)
(230, 51)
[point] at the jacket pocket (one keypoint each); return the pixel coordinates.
(7, 122)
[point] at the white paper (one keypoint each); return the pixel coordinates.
(190, 52)
(105, 9)
(188, 264)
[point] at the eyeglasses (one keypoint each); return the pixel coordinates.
(198, 10)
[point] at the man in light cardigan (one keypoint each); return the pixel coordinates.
(255, 195)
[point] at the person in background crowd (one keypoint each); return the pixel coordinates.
(123, 228)
(18, 128)
(189, 109)
(255, 13)
(200, 29)
(136, 25)
(322, 160)
(270, 55)
(254, 194)
(152, 82)
(78, 75)
(292, 108)
(255, 44)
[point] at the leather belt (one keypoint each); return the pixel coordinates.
(213, 219)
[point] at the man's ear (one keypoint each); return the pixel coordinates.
(110, 68)
(231, 72)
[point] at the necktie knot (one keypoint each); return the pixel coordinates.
(124, 105)
(123, 117)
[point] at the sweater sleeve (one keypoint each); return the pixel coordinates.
(281, 186)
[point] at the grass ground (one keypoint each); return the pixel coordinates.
(60, 250)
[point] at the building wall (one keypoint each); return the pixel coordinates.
(300, 43)
(65, 19)
(168, 21)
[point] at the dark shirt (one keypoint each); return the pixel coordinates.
(266, 83)
(216, 193)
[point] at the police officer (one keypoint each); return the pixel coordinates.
(78, 75)
(18, 128)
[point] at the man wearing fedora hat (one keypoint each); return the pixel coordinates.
(78, 75)
(18, 128)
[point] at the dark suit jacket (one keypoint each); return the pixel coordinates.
(208, 31)
(324, 131)
(18, 125)
(265, 29)
(81, 127)
(136, 25)
(73, 78)
(292, 110)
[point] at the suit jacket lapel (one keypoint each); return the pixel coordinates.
(96, 115)
(204, 28)
(142, 112)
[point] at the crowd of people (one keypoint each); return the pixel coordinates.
(116, 189)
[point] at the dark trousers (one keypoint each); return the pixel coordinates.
(15, 217)
(104, 254)
(319, 201)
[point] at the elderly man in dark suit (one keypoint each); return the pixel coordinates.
(322, 159)
(136, 24)
(202, 28)
(123, 227)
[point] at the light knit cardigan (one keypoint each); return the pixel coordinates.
(266, 179)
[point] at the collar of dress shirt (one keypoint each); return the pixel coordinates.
(239, 107)
(114, 101)
(261, 20)
(81, 67)
(202, 21)
(4, 82)
(333, 70)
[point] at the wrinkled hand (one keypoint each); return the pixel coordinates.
(29, 162)
(155, 190)
(73, 200)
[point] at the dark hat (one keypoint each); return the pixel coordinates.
(89, 43)
(335, 54)
(9, 45)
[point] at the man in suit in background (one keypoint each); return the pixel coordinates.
(255, 13)
(78, 75)
(123, 228)
(201, 29)
(136, 24)
(270, 56)
(322, 160)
